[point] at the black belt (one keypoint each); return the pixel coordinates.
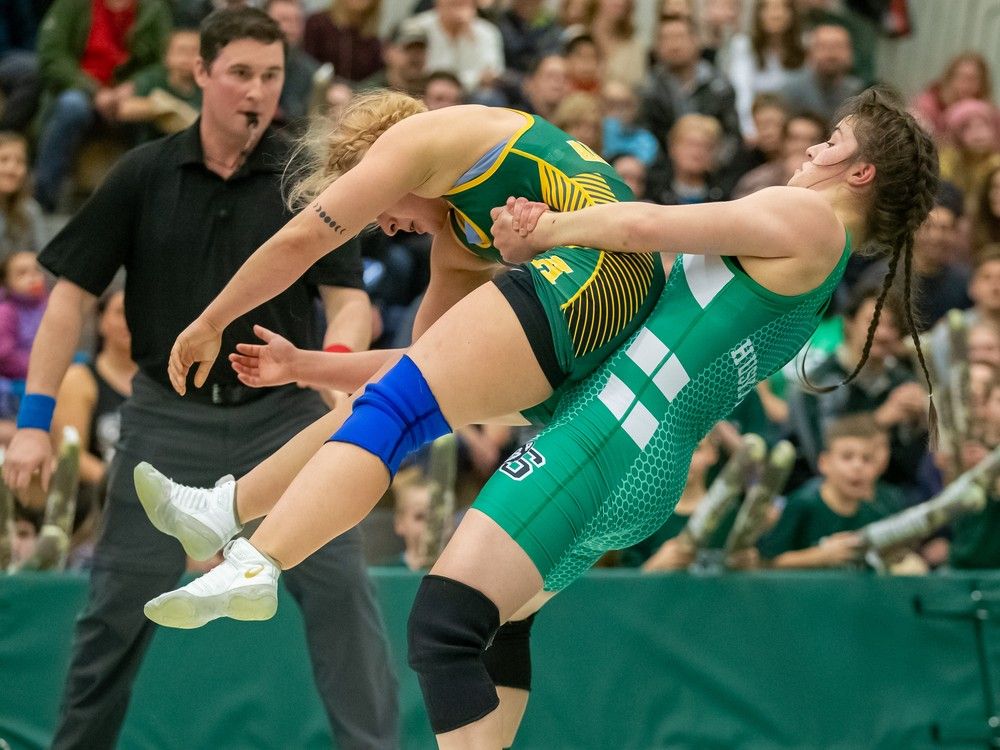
(219, 394)
(212, 394)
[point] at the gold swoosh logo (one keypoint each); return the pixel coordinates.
(254, 571)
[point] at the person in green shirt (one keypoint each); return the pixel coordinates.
(88, 53)
(975, 541)
(887, 388)
(817, 527)
(165, 97)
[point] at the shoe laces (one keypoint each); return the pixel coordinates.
(195, 498)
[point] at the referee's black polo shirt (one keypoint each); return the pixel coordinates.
(181, 232)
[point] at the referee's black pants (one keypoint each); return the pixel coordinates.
(196, 443)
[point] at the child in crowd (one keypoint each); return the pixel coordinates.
(27, 525)
(166, 96)
(411, 492)
(20, 214)
(22, 304)
(984, 343)
(332, 98)
(818, 526)
(621, 134)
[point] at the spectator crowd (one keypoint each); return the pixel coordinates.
(720, 99)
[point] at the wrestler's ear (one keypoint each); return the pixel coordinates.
(862, 174)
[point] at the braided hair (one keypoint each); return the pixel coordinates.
(906, 182)
(332, 147)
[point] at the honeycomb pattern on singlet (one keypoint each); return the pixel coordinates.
(647, 492)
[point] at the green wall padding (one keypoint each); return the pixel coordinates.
(770, 660)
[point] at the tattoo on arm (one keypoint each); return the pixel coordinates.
(330, 221)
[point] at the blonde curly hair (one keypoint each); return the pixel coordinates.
(332, 147)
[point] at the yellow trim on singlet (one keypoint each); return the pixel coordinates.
(484, 239)
(602, 308)
(597, 269)
(544, 168)
(593, 190)
(592, 185)
(529, 121)
(461, 243)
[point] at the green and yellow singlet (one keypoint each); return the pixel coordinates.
(593, 300)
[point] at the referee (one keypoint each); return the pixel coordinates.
(181, 215)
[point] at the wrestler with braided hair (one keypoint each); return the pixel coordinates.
(752, 281)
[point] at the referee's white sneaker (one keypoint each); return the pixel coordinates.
(202, 519)
(244, 586)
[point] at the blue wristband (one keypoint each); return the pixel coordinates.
(36, 411)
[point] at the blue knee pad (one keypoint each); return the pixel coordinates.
(394, 416)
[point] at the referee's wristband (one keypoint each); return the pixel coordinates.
(337, 348)
(36, 411)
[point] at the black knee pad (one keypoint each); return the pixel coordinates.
(508, 659)
(450, 626)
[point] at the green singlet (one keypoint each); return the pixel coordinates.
(593, 300)
(610, 468)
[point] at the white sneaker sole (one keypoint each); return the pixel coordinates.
(182, 609)
(199, 541)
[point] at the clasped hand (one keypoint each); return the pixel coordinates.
(514, 229)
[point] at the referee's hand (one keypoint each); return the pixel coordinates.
(28, 465)
(199, 343)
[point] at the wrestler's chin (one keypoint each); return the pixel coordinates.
(428, 227)
(798, 179)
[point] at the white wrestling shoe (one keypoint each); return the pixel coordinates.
(244, 586)
(202, 519)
